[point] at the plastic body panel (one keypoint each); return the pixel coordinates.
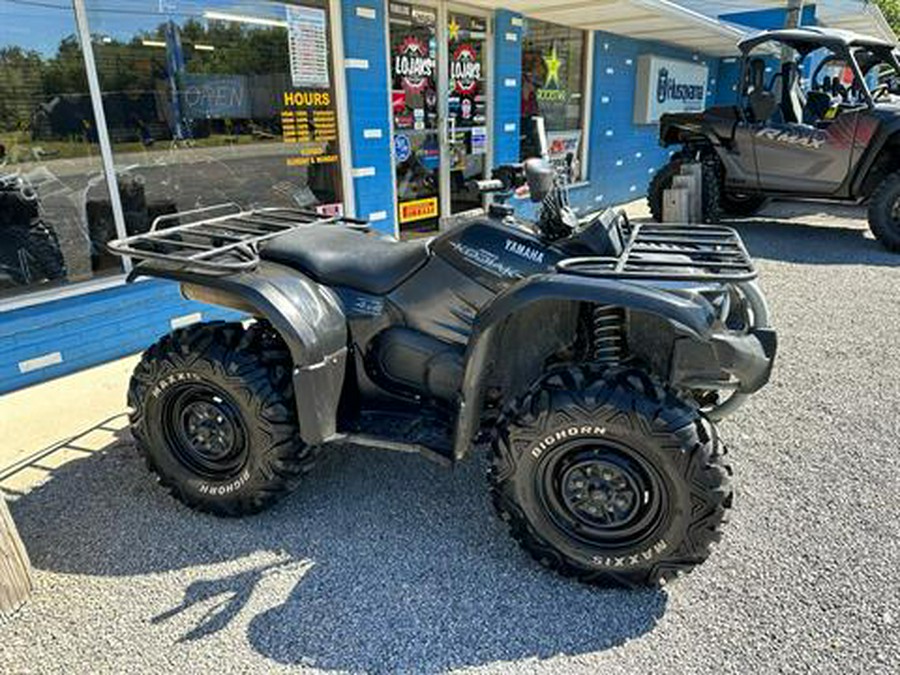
(308, 317)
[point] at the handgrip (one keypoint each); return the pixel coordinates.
(493, 185)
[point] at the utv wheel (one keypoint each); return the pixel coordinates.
(215, 419)
(610, 479)
(742, 206)
(884, 213)
(662, 181)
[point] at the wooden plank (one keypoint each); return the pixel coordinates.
(695, 171)
(15, 567)
(676, 205)
(688, 184)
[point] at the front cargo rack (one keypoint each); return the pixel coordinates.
(663, 252)
(224, 243)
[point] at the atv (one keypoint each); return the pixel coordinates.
(818, 117)
(593, 355)
(29, 248)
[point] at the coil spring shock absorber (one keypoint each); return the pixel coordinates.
(608, 334)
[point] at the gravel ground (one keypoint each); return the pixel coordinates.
(386, 563)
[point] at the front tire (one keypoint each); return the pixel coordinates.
(213, 414)
(884, 213)
(610, 478)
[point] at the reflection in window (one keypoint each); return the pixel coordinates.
(49, 159)
(212, 102)
(553, 60)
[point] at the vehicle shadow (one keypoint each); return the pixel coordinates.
(787, 233)
(391, 564)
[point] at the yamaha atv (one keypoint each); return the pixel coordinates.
(818, 118)
(29, 248)
(592, 355)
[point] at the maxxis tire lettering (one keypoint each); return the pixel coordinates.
(623, 404)
(254, 366)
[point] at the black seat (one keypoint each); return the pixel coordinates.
(339, 256)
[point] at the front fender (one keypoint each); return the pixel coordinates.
(307, 316)
(691, 318)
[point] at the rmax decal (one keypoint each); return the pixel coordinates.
(486, 260)
(523, 251)
(813, 140)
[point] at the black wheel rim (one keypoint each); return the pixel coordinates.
(895, 211)
(204, 430)
(602, 493)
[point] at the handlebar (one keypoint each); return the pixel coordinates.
(487, 186)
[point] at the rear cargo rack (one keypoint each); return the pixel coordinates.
(672, 253)
(224, 243)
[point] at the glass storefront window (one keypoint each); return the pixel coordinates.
(211, 101)
(50, 169)
(553, 87)
(414, 96)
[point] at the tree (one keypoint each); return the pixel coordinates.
(891, 11)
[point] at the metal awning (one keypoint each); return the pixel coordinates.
(859, 16)
(658, 20)
(690, 24)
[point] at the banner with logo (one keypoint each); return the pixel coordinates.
(666, 86)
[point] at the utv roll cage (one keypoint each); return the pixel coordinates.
(846, 45)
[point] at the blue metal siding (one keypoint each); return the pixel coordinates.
(766, 19)
(368, 96)
(507, 86)
(91, 329)
(623, 156)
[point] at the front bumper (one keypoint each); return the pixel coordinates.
(742, 363)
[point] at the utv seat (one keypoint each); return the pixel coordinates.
(338, 256)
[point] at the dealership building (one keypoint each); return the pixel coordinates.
(118, 112)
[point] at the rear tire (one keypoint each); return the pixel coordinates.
(610, 478)
(742, 206)
(215, 419)
(884, 213)
(662, 181)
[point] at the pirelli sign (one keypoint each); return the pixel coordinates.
(420, 209)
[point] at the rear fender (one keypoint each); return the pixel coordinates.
(697, 129)
(691, 319)
(307, 316)
(880, 159)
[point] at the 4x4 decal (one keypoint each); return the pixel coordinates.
(812, 139)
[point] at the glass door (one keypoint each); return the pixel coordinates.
(415, 111)
(439, 100)
(466, 92)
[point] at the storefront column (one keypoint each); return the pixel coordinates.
(507, 85)
(368, 97)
